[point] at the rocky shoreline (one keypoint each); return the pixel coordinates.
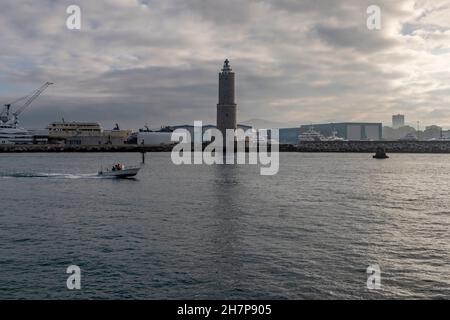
(98, 148)
(371, 146)
(319, 146)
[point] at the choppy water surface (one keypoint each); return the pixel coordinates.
(216, 232)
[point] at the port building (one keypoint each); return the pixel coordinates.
(85, 134)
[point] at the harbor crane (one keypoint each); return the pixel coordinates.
(7, 117)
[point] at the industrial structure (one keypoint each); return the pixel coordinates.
(85, 133)
(62, 129)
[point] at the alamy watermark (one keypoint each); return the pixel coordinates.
(74, 280)
(374, 19)
(189, 150)
(73, 21)
(374, 277)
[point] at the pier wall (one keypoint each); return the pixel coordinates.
(319, 146)
(371, 146)
(96, 148)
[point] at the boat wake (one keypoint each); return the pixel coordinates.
(51, 175)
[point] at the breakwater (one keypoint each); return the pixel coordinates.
(371, 146)
(309, 146)
(96, 148)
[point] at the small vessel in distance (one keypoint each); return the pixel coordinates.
(380, 154)
(120, 171)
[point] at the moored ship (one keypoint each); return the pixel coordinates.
(313, 135)
(11, 134)
(310, 135)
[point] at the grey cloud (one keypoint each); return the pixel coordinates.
(357, 38)
(310, 59)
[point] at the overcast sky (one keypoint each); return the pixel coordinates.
(156, 61)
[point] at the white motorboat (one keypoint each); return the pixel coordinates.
(119, 171)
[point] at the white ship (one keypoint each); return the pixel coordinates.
(10, 132)
(310, 135)
(334, 137)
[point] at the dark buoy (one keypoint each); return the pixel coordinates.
(380, 154)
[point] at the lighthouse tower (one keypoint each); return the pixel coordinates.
(226, 108)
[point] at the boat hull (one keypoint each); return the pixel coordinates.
(125, 173)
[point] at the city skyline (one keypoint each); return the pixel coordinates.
(156, 62)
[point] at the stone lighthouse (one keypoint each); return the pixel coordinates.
(226, 108)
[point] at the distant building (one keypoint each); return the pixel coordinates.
(432, 132)
(391, 134)
(352, 131)
(63, 130)
(86, 134)
(398, 121)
